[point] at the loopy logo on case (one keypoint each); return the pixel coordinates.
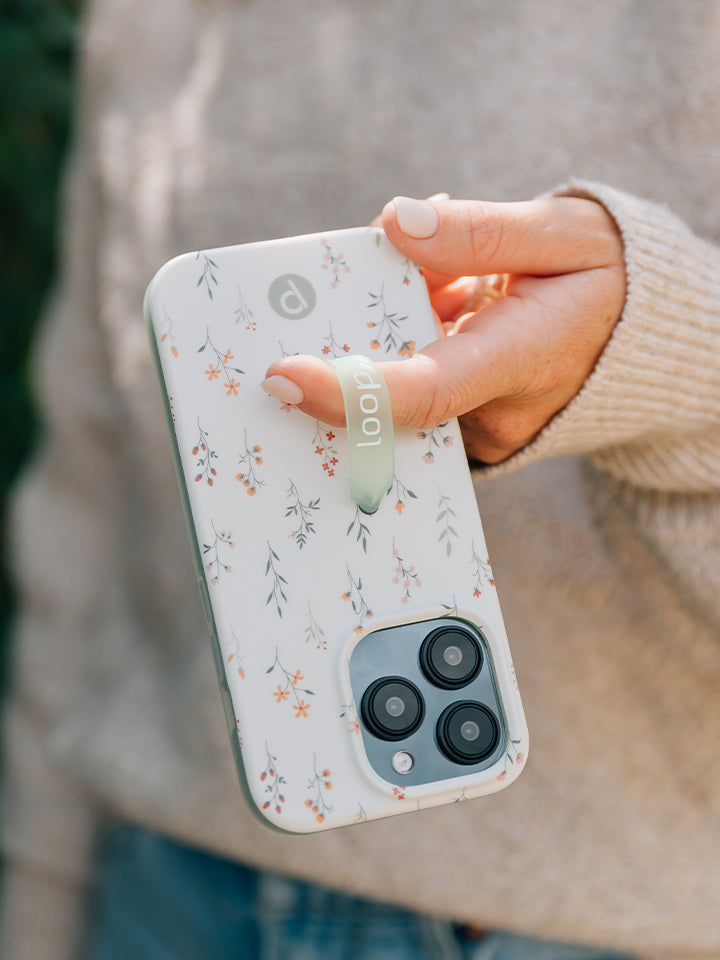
(292, 296)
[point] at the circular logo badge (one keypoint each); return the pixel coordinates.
(292, 296)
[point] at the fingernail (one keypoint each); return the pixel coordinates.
(439, 196)
(416, 218)
(284, 390)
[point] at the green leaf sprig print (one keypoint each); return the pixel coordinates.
(207, 275)
(248, 461)
(331, 345)
(323, 447)
(481, 571)
(303, 513)
(405, 574)
(409, 268)
(512, 756)
(289, 688)
(319, 784)
(233, 653)
(222, 366)
(273, 783)
(435, 438)
(335, 263)
(387, 330)
(402, 495)
(205, 457)
(215, 554)
(357, 600)
(277, 594)
(244, 314)
(446, 518)
(349, 713)
(314, 632)
(168, 333)
(363, 531)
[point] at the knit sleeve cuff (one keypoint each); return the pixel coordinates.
(650, 411)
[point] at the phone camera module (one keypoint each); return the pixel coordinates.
(450, 657)
(392, 708)
(467, 732)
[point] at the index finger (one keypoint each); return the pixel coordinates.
(544, 237)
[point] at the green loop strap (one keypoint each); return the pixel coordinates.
(370, 430)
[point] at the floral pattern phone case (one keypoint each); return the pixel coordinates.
(338, 636)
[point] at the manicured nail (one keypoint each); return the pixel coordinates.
(284, 390)
(416, 218)
(439, 196)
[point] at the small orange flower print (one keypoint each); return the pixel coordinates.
(231, 387)
(325, 350)
(407, 348)
(228, 357)
(374, 344)
(301, 709)
(297, 678)
(400, 506)
(212, 372)
(370, 324)
(280, 694)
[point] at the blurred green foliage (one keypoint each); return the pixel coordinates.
(37, 40)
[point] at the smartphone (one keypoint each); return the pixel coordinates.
(362, 660)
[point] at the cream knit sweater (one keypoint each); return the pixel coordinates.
(204, 123)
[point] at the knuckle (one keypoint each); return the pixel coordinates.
(497, 434)
(485, 231)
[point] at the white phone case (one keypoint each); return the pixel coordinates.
(294, 578)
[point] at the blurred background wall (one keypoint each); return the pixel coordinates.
(37, 43)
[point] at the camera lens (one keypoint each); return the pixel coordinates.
(450, 657)
(467, 732)
(392, 708)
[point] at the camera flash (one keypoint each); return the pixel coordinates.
(403, 762)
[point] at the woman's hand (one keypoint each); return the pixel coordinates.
(504, 365)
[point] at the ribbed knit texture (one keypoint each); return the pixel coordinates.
(204, 124)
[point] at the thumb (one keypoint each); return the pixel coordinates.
(447, 378)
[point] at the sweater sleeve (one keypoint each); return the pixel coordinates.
(649, 414)
(64, 524)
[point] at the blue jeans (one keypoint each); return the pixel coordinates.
(159, 900)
